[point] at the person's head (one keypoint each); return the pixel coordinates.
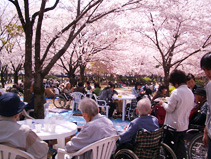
(205, 64)
(96, 85)
(80, 84)
(177, 77)
(200, 95)
(162, 88)
(10, 105)
(137, 85)
(68, 85)
(111, 86)
(190, 81)
(87, 83)
(144, 106)
(88, 108)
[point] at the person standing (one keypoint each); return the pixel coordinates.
(178, 110)
(205, 64)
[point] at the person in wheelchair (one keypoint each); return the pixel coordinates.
(144, 121)
(198, 113)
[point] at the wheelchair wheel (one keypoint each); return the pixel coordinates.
(125, 154)
(166, 152)
(59, 101)
(196, 149)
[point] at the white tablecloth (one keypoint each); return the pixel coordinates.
(124, 98)
(63, 129)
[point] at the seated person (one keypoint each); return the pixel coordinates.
(15, 135)
(191, 83)
(87, 85)
(138, 91)
(68, 89)
(49, 92)
(162, 90)
(158, 110)
(96, 128)
(57, 90)
(198, 113)
(106, 94)
(144, 121)
(97, 89)
(14, 89)
(80, 88)
(30, 104)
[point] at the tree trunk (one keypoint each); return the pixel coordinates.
(15, 77)
(3, 74)
(28, 65)
(6, 75)
(82, 70)
(2, 80)
(166, 78)
(39, 96)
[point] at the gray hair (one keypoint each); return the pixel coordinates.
(144, 106)
(88, 106)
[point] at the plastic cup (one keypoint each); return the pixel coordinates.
(38, 127)
(53, 128)
(29, 122)
(46, 127)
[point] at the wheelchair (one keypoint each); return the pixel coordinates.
(131, 110)
(195, 146)
(148, 145)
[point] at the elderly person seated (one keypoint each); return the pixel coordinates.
(145, 121)
(199, 111)
(15, 135)
(96, 128)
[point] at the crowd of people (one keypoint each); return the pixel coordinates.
(187, 104)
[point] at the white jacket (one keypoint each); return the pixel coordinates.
(178, 108)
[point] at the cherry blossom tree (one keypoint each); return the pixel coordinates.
(176, 30)
(10, 35)
(83, 14)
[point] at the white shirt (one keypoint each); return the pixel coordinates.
(178, 108)
(98, 128)
(22, 137)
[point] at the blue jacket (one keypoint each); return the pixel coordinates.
(149, 123)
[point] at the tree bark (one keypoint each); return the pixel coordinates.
(3, 74)
(28, 64)
(39, 96)
(82, 70)
(15, 77)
